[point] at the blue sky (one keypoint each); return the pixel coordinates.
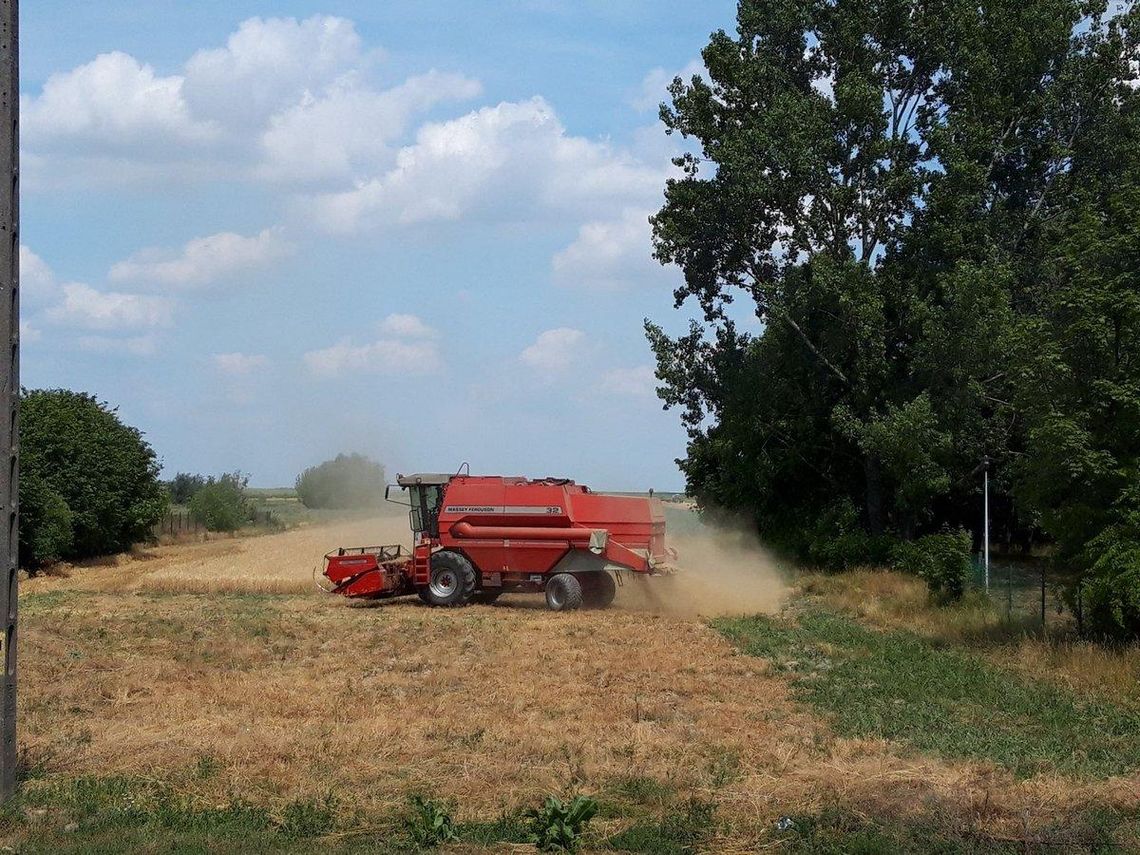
(272, 232)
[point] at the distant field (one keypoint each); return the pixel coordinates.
(258, 493)
(287, 509)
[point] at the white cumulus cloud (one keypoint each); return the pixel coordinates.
(140, 345)
(37, 281)
(554, 350)
(406, 326)
(512, 162)
(637, 382)
(266, 64)
(283, 101)
(655, 86)
(113, 101)
(407, 346)
(238, 364)
(343, 132)
(391, 356)
(203, 260)
(610, 254)
(85, 307)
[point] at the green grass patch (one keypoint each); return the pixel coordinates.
(42, 602)
(506, 828)
(640, 790)
(841, 832)
(125, 814)
(944, 701)
(679, 832)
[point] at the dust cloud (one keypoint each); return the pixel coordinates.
(722, 572)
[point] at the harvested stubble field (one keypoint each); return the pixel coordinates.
(206, 696)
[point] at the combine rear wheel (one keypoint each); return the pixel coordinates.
(598, 589)
(452, 581)
(563, 592)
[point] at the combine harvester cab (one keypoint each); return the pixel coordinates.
(477, 537)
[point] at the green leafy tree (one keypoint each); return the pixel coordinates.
(46, 521)
(89, 483)
(1110, 595)
(884, 183)
(1080, 355)
(183, 486)
(347, 481)
(221, 505)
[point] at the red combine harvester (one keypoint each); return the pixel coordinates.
(477, 537)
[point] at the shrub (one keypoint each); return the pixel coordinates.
(89, 483)
(221, 504)
(943, 560)
(558, 825)
(838, 540)
(183, 486)
(347, 481)
(1111, 591)
(45, 524)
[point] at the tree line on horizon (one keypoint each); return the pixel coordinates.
(90, 485)
(933, 210)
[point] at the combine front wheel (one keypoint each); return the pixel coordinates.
(452, 580)
(563, 592)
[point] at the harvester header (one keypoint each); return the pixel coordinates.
(478, 536)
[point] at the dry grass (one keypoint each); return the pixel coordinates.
(493, 706)
(148, 664)
(896, 600)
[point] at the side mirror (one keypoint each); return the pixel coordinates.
(401, 499)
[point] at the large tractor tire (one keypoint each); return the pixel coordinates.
(563, 593)
(452, 581)
(598, 589)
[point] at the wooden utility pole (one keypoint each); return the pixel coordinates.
(9, 379)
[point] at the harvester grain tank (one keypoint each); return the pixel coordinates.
(477, 537)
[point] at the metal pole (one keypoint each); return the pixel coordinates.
(1008, 589)
(10, 375)
(986, 524)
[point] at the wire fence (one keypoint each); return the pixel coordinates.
(1026, 591)
(175, 523)
(181, 523)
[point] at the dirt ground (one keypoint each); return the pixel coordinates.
(154, 664)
